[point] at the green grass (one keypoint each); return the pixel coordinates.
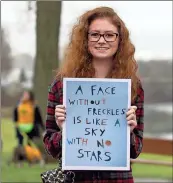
(32, 174)
(12, 173)
(153, 171)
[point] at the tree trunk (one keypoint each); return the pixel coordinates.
(47, 37)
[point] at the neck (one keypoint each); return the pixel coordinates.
(102, 67)
(26, 101)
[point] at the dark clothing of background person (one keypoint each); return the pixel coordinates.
(38, 122)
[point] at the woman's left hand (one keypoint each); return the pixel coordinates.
(131, 117)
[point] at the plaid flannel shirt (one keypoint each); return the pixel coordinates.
(52, 139)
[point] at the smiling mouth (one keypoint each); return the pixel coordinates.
(101, 48)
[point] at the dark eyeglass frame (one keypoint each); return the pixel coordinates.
(103, 35)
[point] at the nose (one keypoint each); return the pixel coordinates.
(102, 39)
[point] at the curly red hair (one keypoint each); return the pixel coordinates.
(77, 59)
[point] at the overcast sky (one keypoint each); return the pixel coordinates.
(149, 22)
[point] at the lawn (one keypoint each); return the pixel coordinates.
(32, 174)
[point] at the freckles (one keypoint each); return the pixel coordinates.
(90, 46)
(115, 47)
(90, 49)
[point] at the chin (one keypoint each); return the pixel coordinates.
(102, 56)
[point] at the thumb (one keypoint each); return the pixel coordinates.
(133, 107)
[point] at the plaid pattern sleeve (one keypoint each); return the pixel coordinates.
(137, 134)
(53, 136)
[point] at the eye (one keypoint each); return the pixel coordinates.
(94, 34)
(109, 35)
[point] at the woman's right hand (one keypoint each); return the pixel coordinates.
(60, 115)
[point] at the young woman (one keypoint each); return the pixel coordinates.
(99, 47)
(27, 117)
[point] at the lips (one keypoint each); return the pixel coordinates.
(101, 48)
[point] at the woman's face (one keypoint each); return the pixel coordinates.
(25, 96)
(102, 47)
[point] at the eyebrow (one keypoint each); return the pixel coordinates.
(107, 31)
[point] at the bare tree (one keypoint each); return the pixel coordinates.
(6, 58)
(22, 77)
(47, 37)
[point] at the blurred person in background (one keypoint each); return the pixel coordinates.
(99, 47)
(27, 117)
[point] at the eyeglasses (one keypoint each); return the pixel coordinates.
(108, 37)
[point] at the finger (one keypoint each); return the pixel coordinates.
(131, 111)
(57, 115)
(61, 119)
(132, 123)
(59, 110)
(60, 106)
(133, 107)
(131, 117)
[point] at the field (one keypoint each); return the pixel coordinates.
(32, 174)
